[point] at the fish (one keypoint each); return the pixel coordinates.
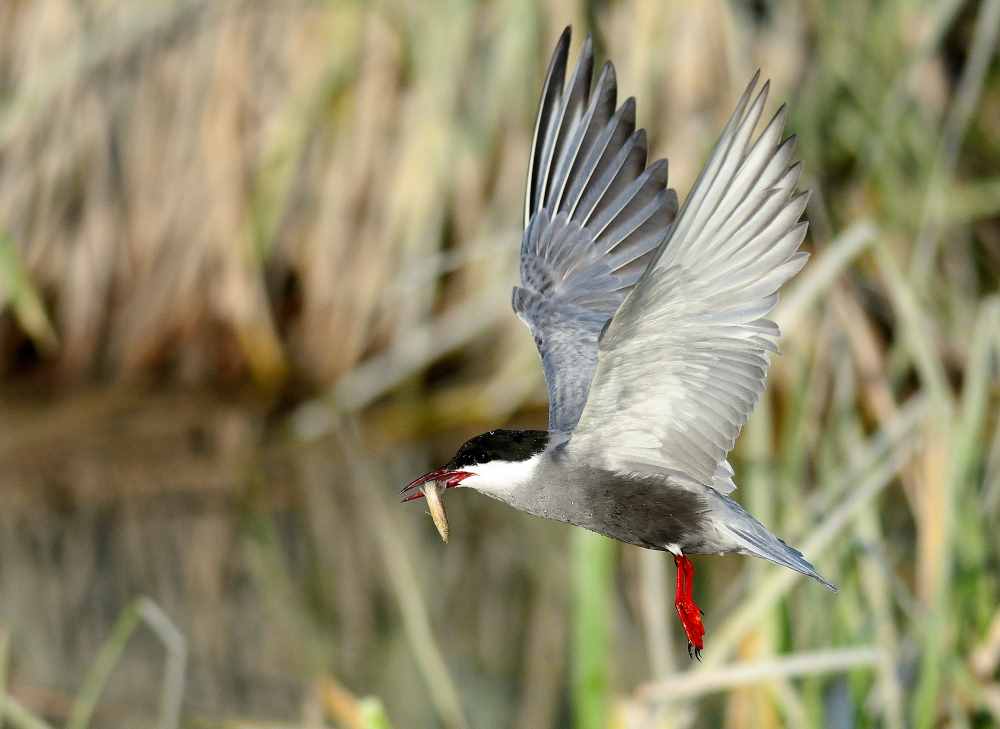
(432, 492)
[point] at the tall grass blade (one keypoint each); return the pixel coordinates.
(592, 560)
(19, 292)
(697, 683)
(104, 664)
(19, 717)
(373, 714)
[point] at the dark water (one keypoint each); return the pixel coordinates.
(109, 496)
(269, 556)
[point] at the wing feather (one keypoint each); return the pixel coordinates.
(684, 360)
(557, 145)
(547, 108)
(598, 160)
(624, 168)
(633, 206)
(594, 217)
(599, 111)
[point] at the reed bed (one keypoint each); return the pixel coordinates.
(255, 263)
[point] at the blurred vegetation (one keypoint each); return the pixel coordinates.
(255, 263)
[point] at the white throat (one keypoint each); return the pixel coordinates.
(501, 478)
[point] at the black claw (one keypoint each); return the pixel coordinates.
(697, 654)
(690, 650)
(702, 612)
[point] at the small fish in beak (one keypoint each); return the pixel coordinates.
(432, 492)
(430, 486)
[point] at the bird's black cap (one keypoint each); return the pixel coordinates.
(500, 445)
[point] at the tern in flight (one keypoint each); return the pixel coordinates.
(652, 328)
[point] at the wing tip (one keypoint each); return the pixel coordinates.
(639, 138)
(557, 63)
(789, 143)
(764, 92)
(608, 71)
(565, 37)
(747, 92)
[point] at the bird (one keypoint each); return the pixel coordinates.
(650, 320)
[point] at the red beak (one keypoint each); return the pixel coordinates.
(450, 479)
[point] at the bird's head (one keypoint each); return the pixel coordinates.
(493, 463)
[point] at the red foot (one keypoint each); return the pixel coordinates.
(689, 613)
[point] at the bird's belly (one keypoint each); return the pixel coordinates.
(649, 533)
(646, 511)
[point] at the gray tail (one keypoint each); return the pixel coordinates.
(755, 539)
(773, 549)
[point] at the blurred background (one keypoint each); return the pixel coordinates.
(255, 268)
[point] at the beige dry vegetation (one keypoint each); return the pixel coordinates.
(255, 263)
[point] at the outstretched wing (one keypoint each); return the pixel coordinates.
(594, 215)
(684, 361)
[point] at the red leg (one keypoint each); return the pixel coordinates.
(687, 610)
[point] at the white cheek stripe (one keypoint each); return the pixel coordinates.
(500, 476)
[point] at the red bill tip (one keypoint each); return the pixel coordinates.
(451, 479)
